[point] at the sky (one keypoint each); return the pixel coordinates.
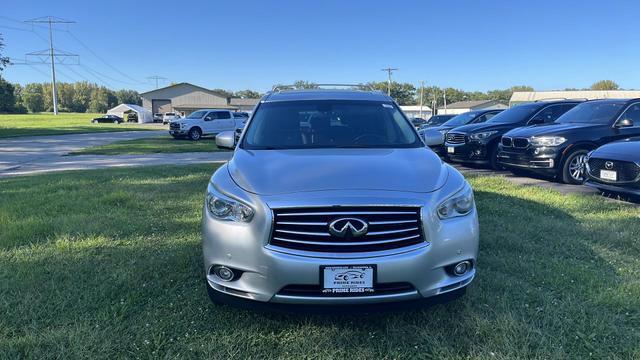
(471, 45)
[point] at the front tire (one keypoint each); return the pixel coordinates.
(195, 134)
(573, 169)
(493, 158)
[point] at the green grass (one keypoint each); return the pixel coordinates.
(64, 123)
(164, 144)
(107, 264)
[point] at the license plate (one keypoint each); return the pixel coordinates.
(608, 175)
(348, 279)
(451, 150)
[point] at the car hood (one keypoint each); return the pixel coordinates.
(475, 128)
(552, 129)
(271, 172)
(625, 150)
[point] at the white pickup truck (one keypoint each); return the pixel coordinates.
(206, 122)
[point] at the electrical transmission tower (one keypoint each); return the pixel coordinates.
(389, 71)
(156, 78)
(52, 53)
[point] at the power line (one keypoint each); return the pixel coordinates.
(96, 75)
(389, 71)
(156, 78)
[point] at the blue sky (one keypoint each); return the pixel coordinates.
(472, 45)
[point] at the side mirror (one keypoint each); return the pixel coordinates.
(624, 123)
(226, 140)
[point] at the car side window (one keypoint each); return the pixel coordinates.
(210, 116)
(223, 115)
(550, 113)
(633, 114)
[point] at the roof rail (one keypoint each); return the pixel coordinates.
(362, 87)
(551, 99)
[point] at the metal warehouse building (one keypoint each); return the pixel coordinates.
(184, 98)
(523, 97)
(466, 106)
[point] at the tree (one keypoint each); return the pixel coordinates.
(65, 94)
(247, 94)
(128, 97)
(224, 93)
(82, 96)
(4, 61)
(7, 97)
(33, 97)
(402, 93)
(99, 100)
(19, 106)
(605, 85)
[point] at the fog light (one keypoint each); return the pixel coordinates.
(461, 268)
(224, 273)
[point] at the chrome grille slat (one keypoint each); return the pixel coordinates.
(307, 229)
(455, 138)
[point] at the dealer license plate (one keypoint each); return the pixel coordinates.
(348, 279)
(451, 149)
(608, 175)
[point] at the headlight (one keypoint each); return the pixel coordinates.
(547, 140)
(224, 208)
(481, 135)
(443, 131)
(459, 204)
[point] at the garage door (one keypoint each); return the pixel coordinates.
(161, 106)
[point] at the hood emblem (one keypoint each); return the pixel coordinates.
(348, 227)
(608, 165)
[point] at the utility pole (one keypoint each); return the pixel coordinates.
(156, 78)
(389, 71)
(421, 95)
(444, 95)
(52, 20)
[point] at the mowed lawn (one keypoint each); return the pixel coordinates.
(107, 264)
(64, 123)
(163, 144)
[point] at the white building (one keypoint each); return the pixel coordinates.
(466, 106)
(523, 97)
(414, 111)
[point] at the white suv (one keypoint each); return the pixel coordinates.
(205, 122)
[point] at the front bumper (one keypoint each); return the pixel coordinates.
(468, 152)
(628, 189)
(266, 270)
(538, 159)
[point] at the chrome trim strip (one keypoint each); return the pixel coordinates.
(347, 243)
(391, 231)
(347, 255)
(351, 213)
(407, 295)
(303, 232)
(392, 222)
(300, 223)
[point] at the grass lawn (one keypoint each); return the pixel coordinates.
(163, 144)
(64, 123)
(107, 264)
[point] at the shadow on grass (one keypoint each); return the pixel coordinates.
(115, 271)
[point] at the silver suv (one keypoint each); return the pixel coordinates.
(332, 198)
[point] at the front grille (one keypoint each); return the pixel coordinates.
(174, 126)
(520, 142)
(507, 141)
(316, 290)
(627, 171)
(456, 138)
(389, 227)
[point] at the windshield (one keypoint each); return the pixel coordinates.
(329, 124)
(197, 114)
(592, 112)
(438, 120)
(461, 119)
(516, 114)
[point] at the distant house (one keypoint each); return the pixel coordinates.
(413, 111)
(465, 106)
(523, 97)
(185, 98)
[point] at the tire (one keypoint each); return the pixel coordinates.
(195, 134)
(493, 158)
(573, 170)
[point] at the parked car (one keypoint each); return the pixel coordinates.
(615, 167)
(478, 143)
(436, 120)
(418, 122)
(169, 117)
(108, 119)
(323, 182)
(157, 117)
(241, 115)
(205, 122)
(471, 117)
(132, 117)
(560, 149)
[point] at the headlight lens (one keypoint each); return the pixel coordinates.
(547, 140)
(482, 135)
(458, 205)
(443, 131)
(224, 208)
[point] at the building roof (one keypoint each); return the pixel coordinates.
(470, 104)
(125, 107)
(184, 84)
(414, 108)
(326, 94)
(530, 96)
(243, 101)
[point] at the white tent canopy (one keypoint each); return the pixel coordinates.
(144, 115)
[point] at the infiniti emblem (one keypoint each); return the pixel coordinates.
(608, 165)
(348, 227)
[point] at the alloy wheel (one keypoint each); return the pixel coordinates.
(577, 167)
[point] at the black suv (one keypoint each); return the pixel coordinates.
(478, 143)
(615, 167)
(560, 149)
